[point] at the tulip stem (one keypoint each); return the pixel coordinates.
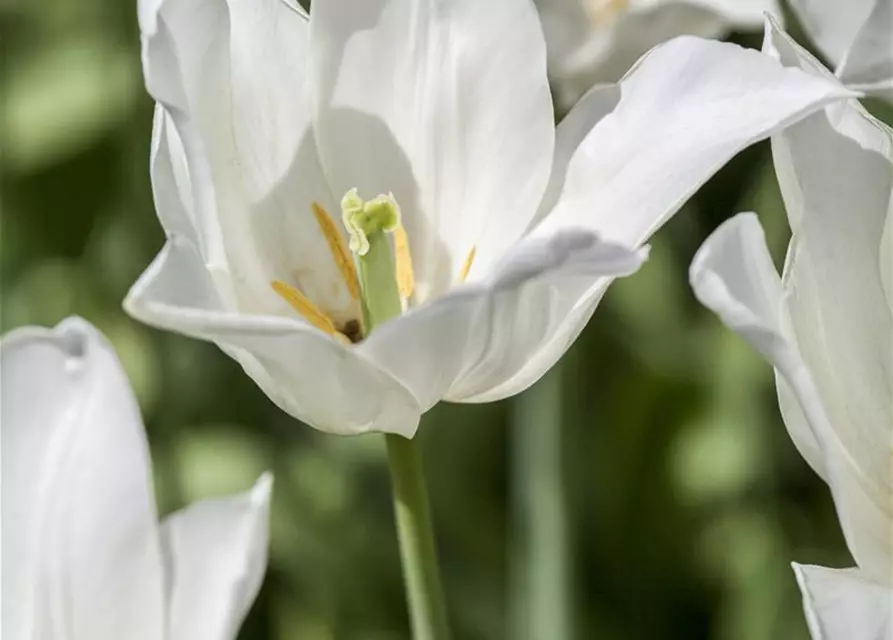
(380, 303)
(424, 593)
(540, 590)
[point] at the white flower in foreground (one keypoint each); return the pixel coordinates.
(266, 122)
(827, 328)
(84, 557)
(596, 41)
(857, 37)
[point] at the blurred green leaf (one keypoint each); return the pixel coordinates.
(60, 98)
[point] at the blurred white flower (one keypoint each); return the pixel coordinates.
(827, 328)
(596, 41)
(857, 38)
(84, 557)
(266, 121)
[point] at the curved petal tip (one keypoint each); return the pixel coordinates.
(262, 489)
(843, 604)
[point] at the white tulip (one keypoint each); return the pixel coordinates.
(267, 121)
(857, 37)
(595, 41)
(84, 557)
(827, 328)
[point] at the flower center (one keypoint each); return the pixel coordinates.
(376, 270)
(379, 276)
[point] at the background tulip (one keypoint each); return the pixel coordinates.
(827, 328)
(596, 41)
(856, 38)
(84, 556)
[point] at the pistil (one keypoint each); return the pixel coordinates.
(368, 223)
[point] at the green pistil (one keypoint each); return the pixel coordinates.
(368, 223)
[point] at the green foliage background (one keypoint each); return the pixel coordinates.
(685, 499)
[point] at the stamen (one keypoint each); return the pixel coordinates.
(340, 254)
(403, 263)
(466, 266)
(309, 311)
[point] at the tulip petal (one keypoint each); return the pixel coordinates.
(832, 24)
(588, 45)
(447, 106)
(216, 551)
(305, 372)
(231, 78)
(598, 103)
(79, 520)
(886, 259)
(835, 171)
(480, 334)
(682, 112)
(842, 604)
(188, 290)
(732, 274)
(868, 64)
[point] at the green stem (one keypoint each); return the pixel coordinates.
(420, 571)
(540, 598)
(424, 593)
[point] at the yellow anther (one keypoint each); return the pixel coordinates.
(403, 262)
(601, 12)
(337, 246)
(309, 311)
(466, 266)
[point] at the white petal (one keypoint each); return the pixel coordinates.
(306, 373)
(833, 24)
(600, 45)
(842, 604)
(231, 76)
(683, 112)
(445, 104)
(732, 274)
(598, 103)
(190, 289)
(186, 290)
(567, 29)
(886, 259)
(79, 521)
(835, 170)
(869, 62)
(685, 109)
(216, 552)
(479, 335)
